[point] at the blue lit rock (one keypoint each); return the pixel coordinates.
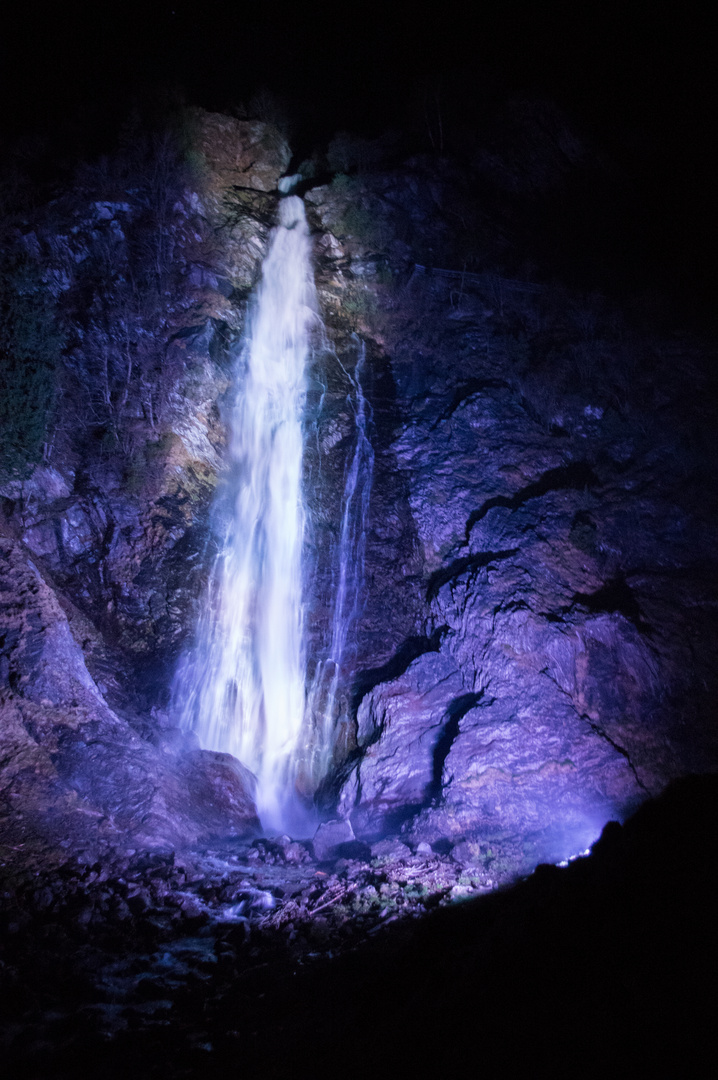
(329, 837)
(553, 564)
(400, 725)
(71, 761)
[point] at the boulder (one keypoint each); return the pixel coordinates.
(239, 153)
(329, 838)
(400, 727)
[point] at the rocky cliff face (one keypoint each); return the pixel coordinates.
(103, 543)
(67, 757)
(534, 653)
(120, 515)
(544, 477)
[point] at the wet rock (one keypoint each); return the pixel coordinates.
(352, 853)
(220, 793)
(139, 902)
(192, 907)
(329, 837)
(461, 892)
(400, 724)
(39, 656)
(296, 853)
(55, 722)
(245, 160)
(391, 848)
(558, 716)
(124, 536)
(119, 909)
(535, 522)
(240, 153)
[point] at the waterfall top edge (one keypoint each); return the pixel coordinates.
(291, 212)
(287, 183)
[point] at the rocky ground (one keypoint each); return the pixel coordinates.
(112, 938)
(263, 958)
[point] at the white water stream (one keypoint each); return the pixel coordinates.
(241, 688)
(349, 574)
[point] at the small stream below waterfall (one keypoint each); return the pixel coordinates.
(242, 687)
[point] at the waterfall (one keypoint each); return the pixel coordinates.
(242, 686)
(349, 572)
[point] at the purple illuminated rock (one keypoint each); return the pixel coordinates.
(71, 762)
(330, 836)
(390, 849)
(400, 725)
(39, 656)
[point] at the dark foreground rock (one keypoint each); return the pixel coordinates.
(225, 961)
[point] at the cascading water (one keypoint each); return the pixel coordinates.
(349, 572)
(242, 688)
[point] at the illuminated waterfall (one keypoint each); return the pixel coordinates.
(242, 687)
(349, 574)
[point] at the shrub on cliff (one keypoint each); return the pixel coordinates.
(30, 345)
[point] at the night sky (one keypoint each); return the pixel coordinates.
(638, 82)
(622, 67)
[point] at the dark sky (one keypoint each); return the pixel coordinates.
(352, 63)
(637, 80)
